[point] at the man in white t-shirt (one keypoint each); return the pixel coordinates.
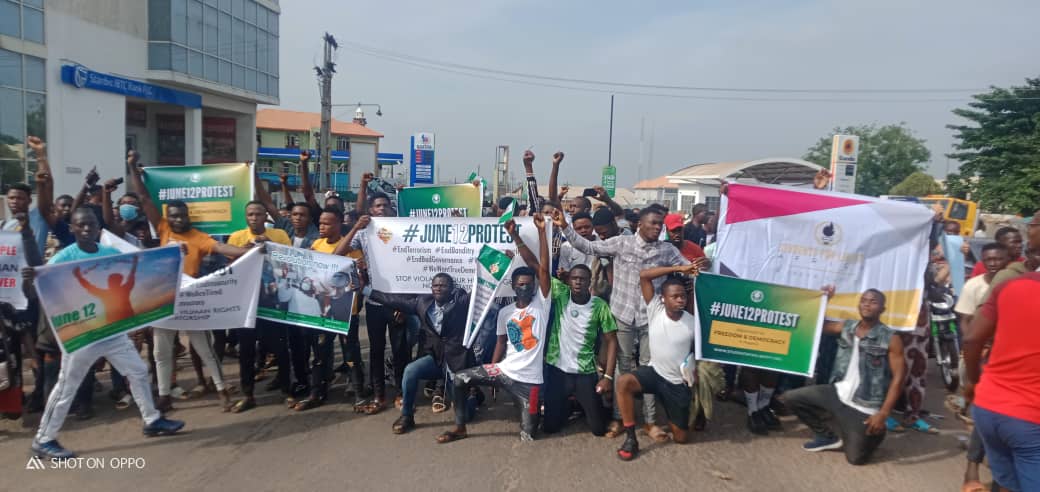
(995, 257)
(671, 336)
(516, 366)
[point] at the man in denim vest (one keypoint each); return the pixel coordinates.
(868, 374)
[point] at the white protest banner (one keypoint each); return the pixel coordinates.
(307, 288)
(491, 267)
(404, 253)
(12, 260)
(808, 238)
(91, 300)
(226, 298)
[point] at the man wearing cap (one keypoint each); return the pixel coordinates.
(689, 249)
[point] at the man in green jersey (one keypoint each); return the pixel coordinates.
(578, 319)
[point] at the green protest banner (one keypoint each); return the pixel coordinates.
(756, 324)
(216, 194)
(461, 200)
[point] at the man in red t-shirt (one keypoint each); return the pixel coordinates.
(690, 250)
(1008, 237)
(1006, 402)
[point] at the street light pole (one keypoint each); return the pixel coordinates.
(610, 140)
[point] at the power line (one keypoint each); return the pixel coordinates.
(376, 51)
(428, 66)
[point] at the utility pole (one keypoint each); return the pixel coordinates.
(325, 73)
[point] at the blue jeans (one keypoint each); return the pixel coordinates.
(1012, 448)
(423, 368)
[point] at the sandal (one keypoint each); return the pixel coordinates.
(658, 434)
(375, 406)
(290, 402)
(614, 429)
(124, 402)
(438, 404)
(450, 436)
(198, 391)
(178, 393)
(921, 426)
(893, 425)
(398, 402)
(243, 405)
(628, 450)
(307, 404)
(360, 405)
(403, 424)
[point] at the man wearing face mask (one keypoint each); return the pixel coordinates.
(125, 216)
(516, 367)
(442, 314)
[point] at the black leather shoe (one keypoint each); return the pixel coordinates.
(772, 423)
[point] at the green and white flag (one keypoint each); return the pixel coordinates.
(508, 214)
(492, 266)
(473, 175)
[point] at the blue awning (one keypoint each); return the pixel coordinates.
(337, 155)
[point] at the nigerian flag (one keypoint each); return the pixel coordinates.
(492, 266)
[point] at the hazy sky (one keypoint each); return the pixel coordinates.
(881, 44)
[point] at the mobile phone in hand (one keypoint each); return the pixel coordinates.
(589, 192)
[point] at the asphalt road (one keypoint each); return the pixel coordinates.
(332, 448)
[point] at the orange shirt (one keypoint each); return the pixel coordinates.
(199, 245)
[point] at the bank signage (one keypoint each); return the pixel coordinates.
(84, 78)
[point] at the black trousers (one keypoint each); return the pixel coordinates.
(350, 345)
(299, 352)
(380, 322)
(559, 386)
(816, 405)
(273, 336)
(323, 346)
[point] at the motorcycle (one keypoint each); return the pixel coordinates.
(945, 338)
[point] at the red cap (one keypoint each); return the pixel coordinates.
(673, 221)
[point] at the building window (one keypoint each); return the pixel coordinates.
(343, 144)
(713, 203)
(687, 203)
(22, 19)
(292, 141)
(232, 43)
(23, 112)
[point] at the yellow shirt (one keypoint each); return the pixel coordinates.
(322, 245)
(243, 237)
(199, 245)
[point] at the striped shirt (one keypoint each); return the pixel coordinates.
(631, 255)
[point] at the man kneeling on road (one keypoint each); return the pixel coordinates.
(867, 381)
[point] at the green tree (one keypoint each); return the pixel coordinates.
(1000, 150)
(887, 155)
(917, 184)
